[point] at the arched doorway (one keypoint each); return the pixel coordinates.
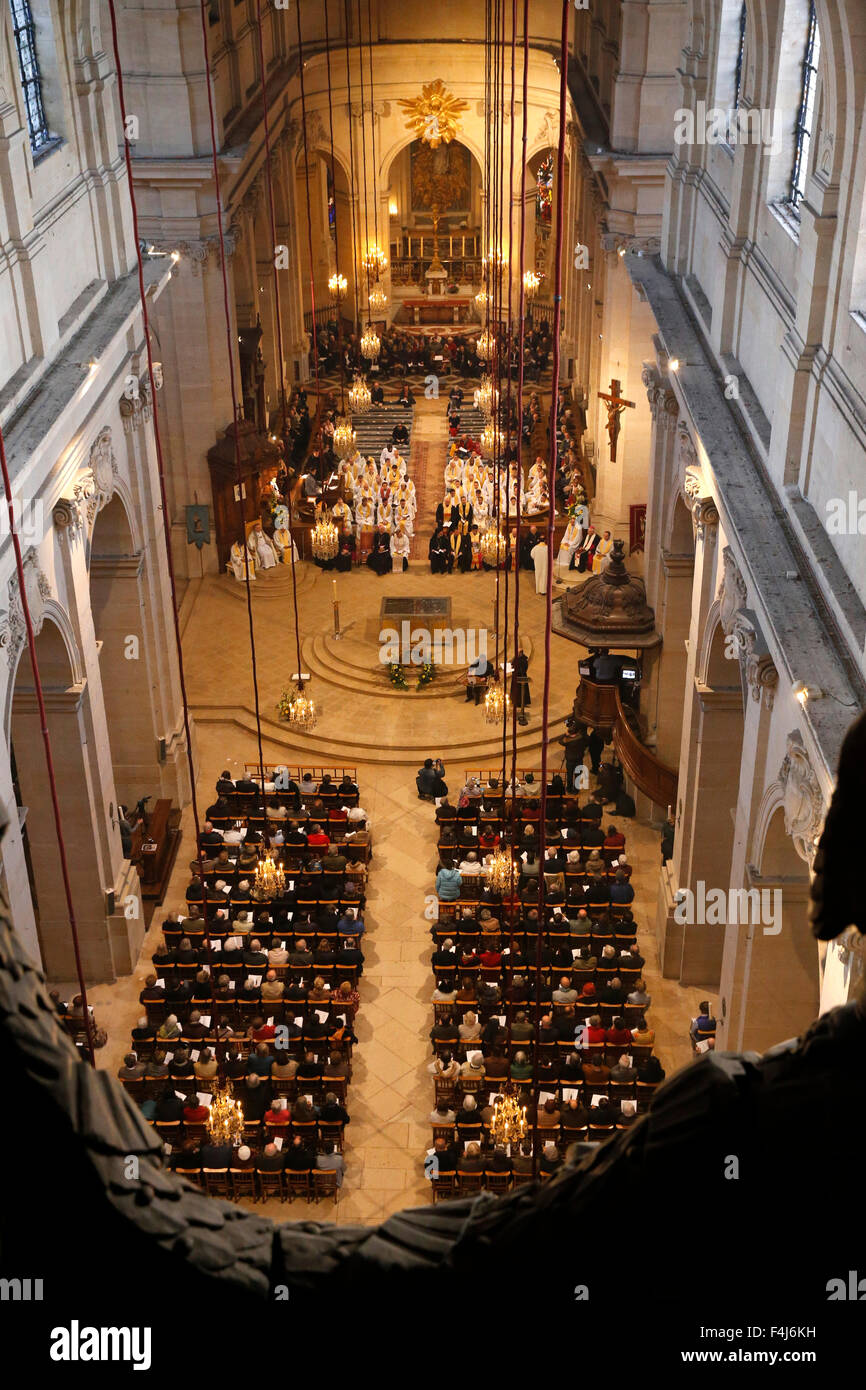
(117, 605)
(69, 728)
(771, 964)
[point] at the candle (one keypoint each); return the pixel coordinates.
(335, 591)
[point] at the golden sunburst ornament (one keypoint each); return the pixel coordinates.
(435, 115)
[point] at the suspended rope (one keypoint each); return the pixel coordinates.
(372, 124)
(522, 316)
(336, 219)
(273, 223)
(313, 336)
(551, 479)
(356, 229)
(509, 552)
(233, 388)
(363, 157)
(160, 468)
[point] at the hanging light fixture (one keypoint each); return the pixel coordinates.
(491, 440)
(225, 1120)
(325, 540)
(482, 299)
(486, 397)
(270, 877)
(508, 1125)
(360, 399)
(344, 439)
(377, 299)
(531, 283)
(493, 547)
(501, 872)
(370, 343)
(494, 259)
(375, 260)
(301, 710)
(485, 345)
(497, 703)
(338, 286)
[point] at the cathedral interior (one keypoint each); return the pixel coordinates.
(432, 630)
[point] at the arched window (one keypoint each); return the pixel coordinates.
(31, 80)
(806, 110)
(741, 53)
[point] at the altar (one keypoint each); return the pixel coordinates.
(439, 308)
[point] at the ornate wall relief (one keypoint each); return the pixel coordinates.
(802, 800)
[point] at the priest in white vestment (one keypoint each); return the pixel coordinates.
(237, 564)
(601, 558)
(538, 555)
(262, 548)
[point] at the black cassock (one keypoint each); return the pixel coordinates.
(379, 558)
(519, 668)
(439, 552)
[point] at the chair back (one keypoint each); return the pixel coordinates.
(325, 1183)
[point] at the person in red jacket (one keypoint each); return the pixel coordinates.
(318, 837)
(618, 1035)
(195, 1114)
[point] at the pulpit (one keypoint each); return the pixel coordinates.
(234, 505)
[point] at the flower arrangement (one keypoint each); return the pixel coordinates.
(425, 675)
(284, 704)
(397, 676)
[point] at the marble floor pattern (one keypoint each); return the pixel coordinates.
(391, 1093)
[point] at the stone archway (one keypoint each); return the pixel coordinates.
(66, 700)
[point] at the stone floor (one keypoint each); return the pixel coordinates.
(386, 735)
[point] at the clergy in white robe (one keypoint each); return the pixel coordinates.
(601, 558)
(285, 545)
(388, 455)
(400, 549)
(572, 539)
(262, 547)
(237, 565)
(342, 514)
(538, 555)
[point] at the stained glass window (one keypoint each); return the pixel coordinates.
(544, 190)
(28, 67)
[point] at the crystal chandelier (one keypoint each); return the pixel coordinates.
(325, 540)
(270, 877)
(531, 283)
(493, 547)
(486, 345)
(301, 711)
(360, 399)
(496, 703)
(500, 872)
(486, 397)
(225, 1121)
(377, 299)
(491, 440)
(344, 439)
(482, 299)
(337, 287)
(374, 260)
(370, 343)
(508, 1125)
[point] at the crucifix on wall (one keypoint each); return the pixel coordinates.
(615, 406)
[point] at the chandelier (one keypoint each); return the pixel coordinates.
(360, 399)
(482, 299)
(486, 397)
(370, 343)
(493, 547)
(485, 345)
(508, 1125)
(374, 260)
(491, 440)
(270, 877)
(337, 287)
(344, 439)
(377, 299)
(496, 703)
(494, 259)
(325, 540)
(225, 1121)
(301, 711)
(531, 283)
(500, 872)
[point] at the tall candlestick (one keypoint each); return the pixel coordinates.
(335, 591)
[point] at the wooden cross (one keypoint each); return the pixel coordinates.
(615, 406)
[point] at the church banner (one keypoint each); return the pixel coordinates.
(197, 526)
